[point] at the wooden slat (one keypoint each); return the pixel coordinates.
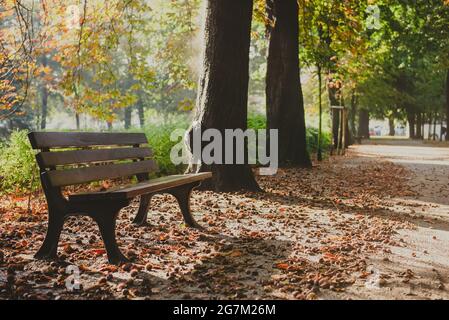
(134, 190)
(49, 159)
(48, 140)
(60, 178)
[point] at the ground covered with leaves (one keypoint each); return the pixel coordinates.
(336, 231)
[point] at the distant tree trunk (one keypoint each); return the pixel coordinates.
(285, 104)
(435, 127)
(363, 124)
(223, 87)
(44, 96)
(335, 114)
(429, 135)
(352, 114)
(447, 104)
(141, 113)
(128, 113)
(44, 93)
(77, 118)
(320, 114)
(419, 125)
(411, 123)
(391, 126)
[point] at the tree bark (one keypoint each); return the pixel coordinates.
(141, 113)
(128, 113)
(223, 87)
(285, 104)
(447, 105)
(411, 123)
(352, 114)
(77, 119)
(418, 126)
(392, 130)
(44, 96)
(334, 101)
(363, 124)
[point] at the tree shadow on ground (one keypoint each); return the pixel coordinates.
(383, 212)
(239, 269)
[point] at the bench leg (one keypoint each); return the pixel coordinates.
(182, 195)
(142, 214)
(106, 223)
(49, 248)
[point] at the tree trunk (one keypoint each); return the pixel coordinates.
(128, 113)
(335, 114)
(223, 88)
(435, 127)
(391, 126)
(411, 123)
(352, 114)
(77, 118)
(285, 105)
(447, 105)
(363, 124)
(141, 113)
(419, 125)
(44, 96)
(320, 114)
(44, 93)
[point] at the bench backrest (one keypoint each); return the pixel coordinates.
(103, 156)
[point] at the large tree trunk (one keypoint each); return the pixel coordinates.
(447, 104)
(363, 124)
(223, 87)
(285, 105)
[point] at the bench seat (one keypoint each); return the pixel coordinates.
(130, 191)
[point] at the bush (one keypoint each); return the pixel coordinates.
(312, 141)
(18, 165)
(159, 140)
(259, 121)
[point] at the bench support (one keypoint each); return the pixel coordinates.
(106, 223)
(49, 248)
(142, 214)
(182, 195)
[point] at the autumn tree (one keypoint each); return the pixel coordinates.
(285, 105)
(223, 86)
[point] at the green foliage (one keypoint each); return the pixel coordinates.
(18, 168)
(312, 141)
(257, 121)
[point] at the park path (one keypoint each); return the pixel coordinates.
(420, 268)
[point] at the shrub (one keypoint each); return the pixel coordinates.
(17, 165)
(312, 141)
(159, 139)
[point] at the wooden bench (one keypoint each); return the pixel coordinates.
(72, 158)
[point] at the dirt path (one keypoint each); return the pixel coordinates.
(425, 255)
(373, 224)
